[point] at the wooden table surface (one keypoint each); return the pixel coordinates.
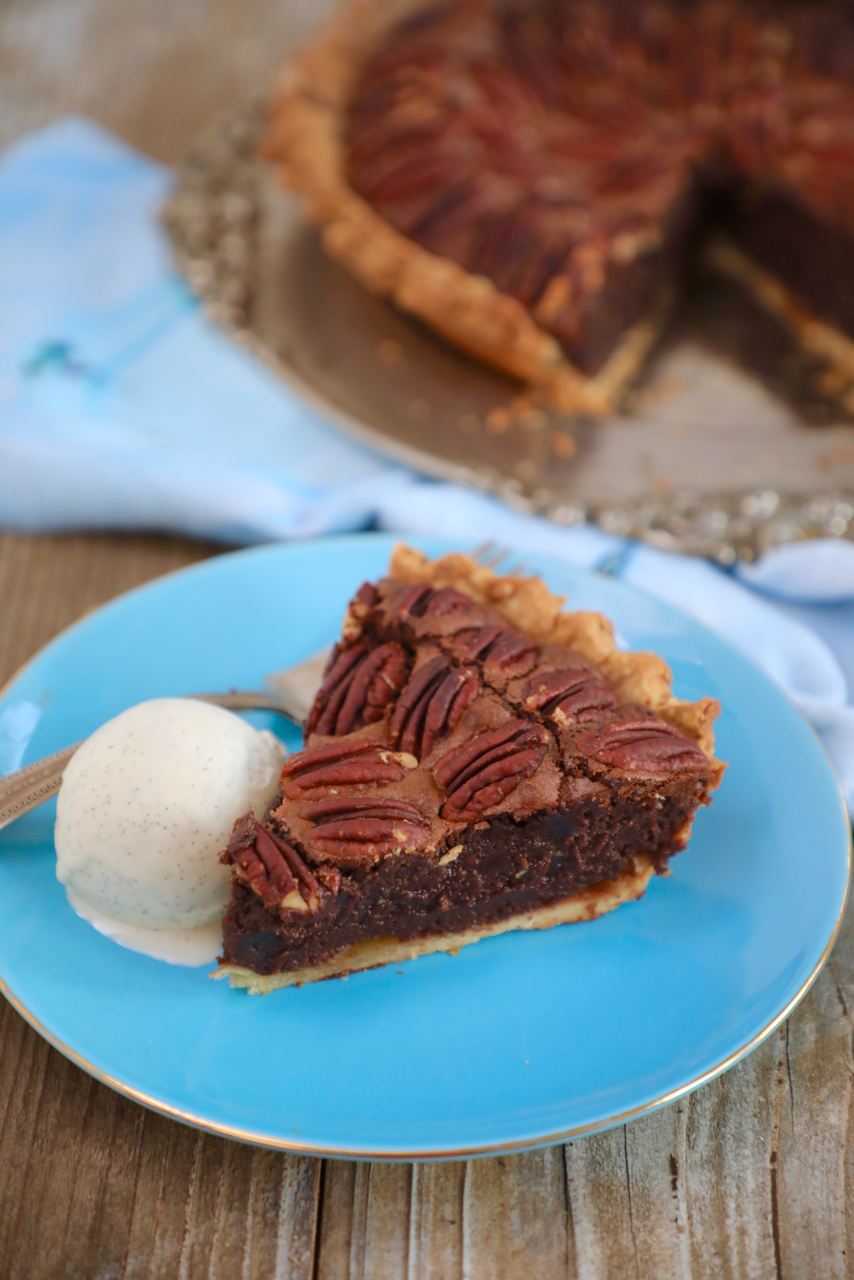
(751, 1177)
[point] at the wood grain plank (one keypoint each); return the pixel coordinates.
(814, 1156)
(298, 1218)
(385, 1244)
(231, 1221)
(38, 1245)
(47, 583)
(654, 1149)
(203, 1194)
(102, 1248)
(140, 1229)
(94, 1173)
(841, 971)
(336, 1219)
(23, 1068)
(515, 1217)
(727, 1169)
(436, 1222)
(600, 1194)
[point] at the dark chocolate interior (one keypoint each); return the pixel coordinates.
(507, 868)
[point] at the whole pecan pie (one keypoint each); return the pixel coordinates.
(476, 761)
(527, 175)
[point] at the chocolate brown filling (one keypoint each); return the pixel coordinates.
(507, 868)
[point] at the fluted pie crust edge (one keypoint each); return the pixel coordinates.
(588, 904)
(531, 607)
(304, 138)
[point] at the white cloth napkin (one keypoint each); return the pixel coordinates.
(121, 407)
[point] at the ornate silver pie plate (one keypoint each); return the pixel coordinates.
(729, 446)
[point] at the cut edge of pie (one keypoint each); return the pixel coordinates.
(587, 904)
(304, 139)
(829, 344)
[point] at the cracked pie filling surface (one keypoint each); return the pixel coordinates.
(476, 760)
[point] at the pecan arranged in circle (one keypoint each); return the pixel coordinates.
(270, 867)
(504, 652)
(489, 767)
(359, 762)
(421, 599)
(355, 831)
(431, 705)
(577, 693)
(358, 685)
(643, 745)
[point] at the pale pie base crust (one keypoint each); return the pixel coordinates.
(587, 904)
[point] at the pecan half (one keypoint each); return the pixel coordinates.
(269, 865)
(421, 599)
(366, 597)
(643, 745)
(489, 767)
(357, 832)
(577, 693)
(331, 878)
(359, 762)
(412, 600)
(431, 705)
(504, 652)
(358, 685)
(447, 602)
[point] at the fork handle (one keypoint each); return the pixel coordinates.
(28, 788)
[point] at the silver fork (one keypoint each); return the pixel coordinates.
(289, 692)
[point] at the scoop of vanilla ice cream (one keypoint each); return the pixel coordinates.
(148, 802)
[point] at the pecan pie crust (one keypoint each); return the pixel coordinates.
(477, 760)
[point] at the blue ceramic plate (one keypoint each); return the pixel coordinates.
(520, 1040)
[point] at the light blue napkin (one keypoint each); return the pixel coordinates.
(122, 407)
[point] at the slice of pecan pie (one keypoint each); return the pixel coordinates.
(527, 175)
(476, 761)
